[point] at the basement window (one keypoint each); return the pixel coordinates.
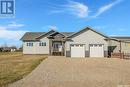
(42, 44)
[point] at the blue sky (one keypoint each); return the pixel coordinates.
(111, 17)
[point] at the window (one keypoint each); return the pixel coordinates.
(72, 45)
(100, 45)
(42, 44)
(81, 45)
(95, 45)
(77, 45)
(30, 44)
(91, 45)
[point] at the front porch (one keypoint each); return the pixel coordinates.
(56, 44)
(57, 48)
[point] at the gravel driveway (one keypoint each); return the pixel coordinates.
(78, 72)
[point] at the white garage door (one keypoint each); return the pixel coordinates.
(96, 50)
(78, 50)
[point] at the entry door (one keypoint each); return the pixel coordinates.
(57, 46)
(96, 50)
(78, 50)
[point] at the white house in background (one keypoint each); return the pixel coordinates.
(85, 43)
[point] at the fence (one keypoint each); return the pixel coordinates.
(121, 55)
(126, 55)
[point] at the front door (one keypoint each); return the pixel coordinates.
(57, 46)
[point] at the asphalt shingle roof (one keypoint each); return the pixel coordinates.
(120, 37)
(34, 35)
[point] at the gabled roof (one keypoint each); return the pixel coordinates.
(85, 29)
(67, 33)
(46, 34)
(32, 36)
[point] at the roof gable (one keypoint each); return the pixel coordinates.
(46, 34)
(56, 36)
(84, 30)
(31, 35)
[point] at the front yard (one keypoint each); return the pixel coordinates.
(15, 66)
(78, 72)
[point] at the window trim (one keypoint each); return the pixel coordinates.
(42, 44)
(29, 44)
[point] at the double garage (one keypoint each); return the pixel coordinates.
(95, 50)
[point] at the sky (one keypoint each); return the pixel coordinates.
(110, 17)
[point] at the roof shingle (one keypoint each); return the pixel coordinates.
(34, 35)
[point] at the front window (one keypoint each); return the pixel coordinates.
(30, 44)
(42, 44)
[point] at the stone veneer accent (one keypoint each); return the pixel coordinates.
(68, 54)
(105, 53)
(86, 53)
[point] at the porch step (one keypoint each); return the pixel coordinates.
(57, 54)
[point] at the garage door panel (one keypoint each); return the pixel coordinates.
(78, 51)
(96, 51)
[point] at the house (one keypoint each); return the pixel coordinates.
(13, 49)
(85, 43)
(5, 49)
(8, 49)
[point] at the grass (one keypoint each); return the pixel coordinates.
(15, 66)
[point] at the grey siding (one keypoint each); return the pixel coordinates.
(87, 37)
(125, 47)
(36, 49)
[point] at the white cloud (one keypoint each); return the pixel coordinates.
(106, 7)
(49, 27)
(5, 33)
(15, 25)
(52, 27)
(75, 8)
(78, 9)
(11, 33)
(81, 10)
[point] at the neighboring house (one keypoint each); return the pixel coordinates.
(13, 49)
(0, 49)
(85, 43)
(8, 49)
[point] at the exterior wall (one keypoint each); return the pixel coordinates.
(125, 47)
(115, 43)
(36, 49)
(88, 37)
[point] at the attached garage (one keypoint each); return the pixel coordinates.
(96, 50)
(77, 50)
